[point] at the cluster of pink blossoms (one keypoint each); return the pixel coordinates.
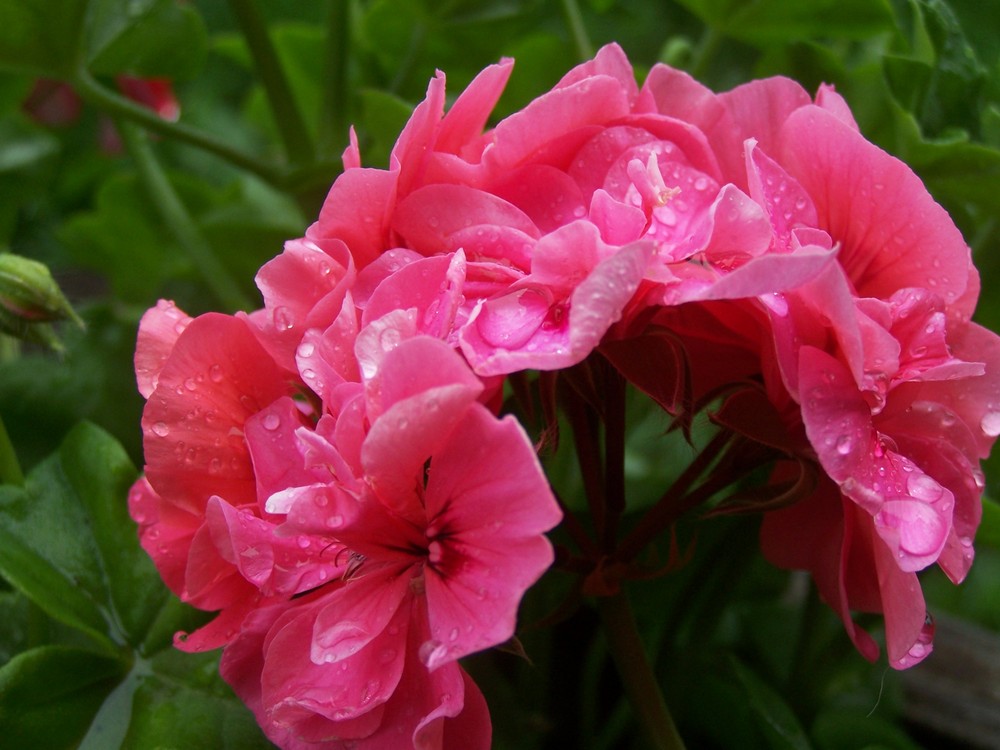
(330, 471)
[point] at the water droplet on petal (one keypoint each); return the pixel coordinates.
(990, 424)
(844, 444)
(271, 421)
(161, 429)
(306, 350)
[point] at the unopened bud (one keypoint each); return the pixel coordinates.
(30, 294)
(30, 299)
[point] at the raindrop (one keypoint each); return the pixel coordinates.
(306, 350)
(990, 424)
(272, 421)
(161, 429)
(335, 521)
(215, 373)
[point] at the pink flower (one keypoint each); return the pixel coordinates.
(357, 552)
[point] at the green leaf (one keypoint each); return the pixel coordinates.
(989, 528)
(774, 717)
(146, 38)
(837, 728)
(765, 22)
(48, 696)
(197, 712)
(40, 36)
(67, 543)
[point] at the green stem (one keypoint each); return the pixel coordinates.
(334, 118)
(641, 686)
(176, 217)
(122, 108)
(708, 45)
(287, 116)
(10, 467)
(584, 49)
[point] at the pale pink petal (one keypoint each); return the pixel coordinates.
(358, 612)
(596, 100)
(429, 215)
(548, 196)
(619, 222)
(892, 233)
(760, 108)
(912, 511)
(295, 685)
(467, 117)
(610, 60)
(827, 98)
(270, 437)
(356, 211)
(158, 331)
(412, 150)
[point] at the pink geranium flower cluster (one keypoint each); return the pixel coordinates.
(330, 471)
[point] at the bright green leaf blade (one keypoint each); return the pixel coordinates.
(67, 543)
(42, 581)
(989, 527)
(101, 473)
(774, 717)
(779, 21)
(49, 695)
(183, 704)
(40, 36)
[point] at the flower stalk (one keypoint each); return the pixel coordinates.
(641, 686)
(174, 214)
(287, 115)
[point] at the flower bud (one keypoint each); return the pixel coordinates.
(28, 292)
(30, 299)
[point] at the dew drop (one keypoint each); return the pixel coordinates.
(215, 373)
(161, 429)
(990, 424)
(335, 521)
(306, 350)
(282, 319)
(272, 421)
(302, 541)
(453, 635)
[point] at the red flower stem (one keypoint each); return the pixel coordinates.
(582, 421)
(287, 115)
(614, 453)
(676, 501)
(641, 686)
(576, 531)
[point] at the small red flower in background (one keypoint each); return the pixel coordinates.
(55, 104)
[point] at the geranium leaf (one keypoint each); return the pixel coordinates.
(53, 681)
(774, 717)
(145, 38)
(68, 545)
(40, 35)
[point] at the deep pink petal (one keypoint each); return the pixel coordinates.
(429, 215)
(356, 211)
(893, 234)
(595, 100)
(467, 117)
(217, 376)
